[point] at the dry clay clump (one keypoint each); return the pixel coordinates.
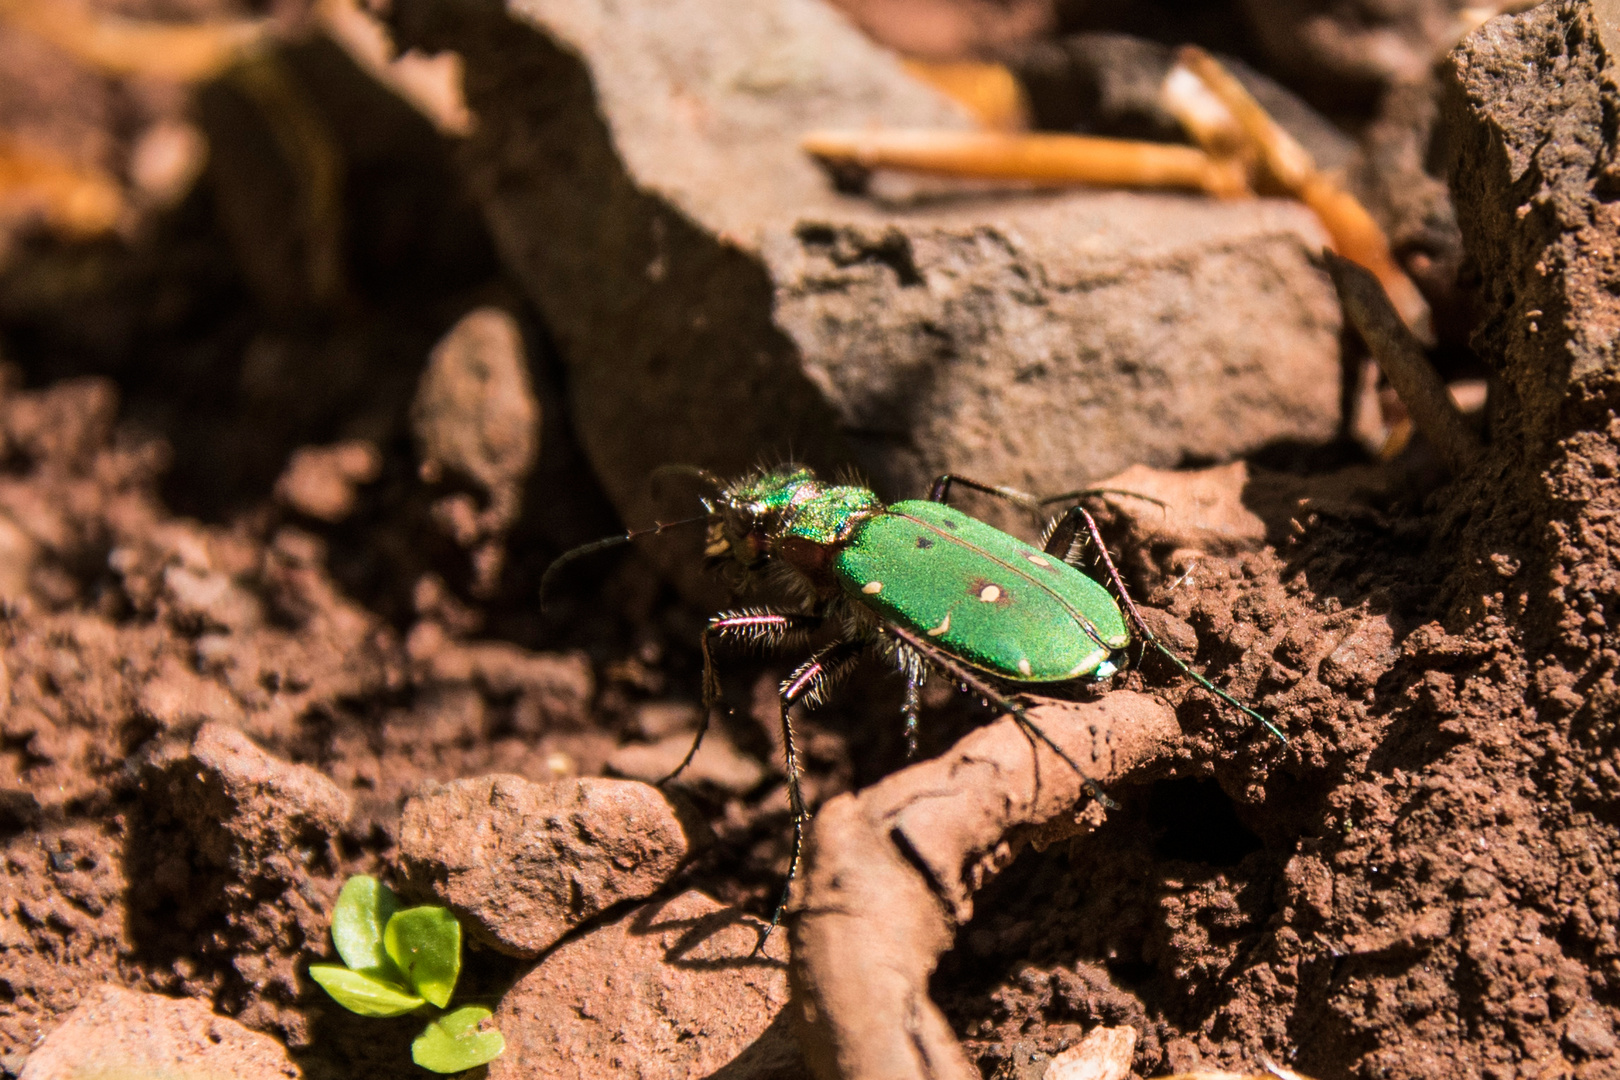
(525, 863)
(478, 423)
(117, 1033)
(232, 837)
(673, 989)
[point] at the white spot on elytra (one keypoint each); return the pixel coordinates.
(1023, 667)
(872, 588)
(990, 593)
(942, 627)
(1038, 560)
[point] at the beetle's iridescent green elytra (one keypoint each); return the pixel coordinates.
(988, 598)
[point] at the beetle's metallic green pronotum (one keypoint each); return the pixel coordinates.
(919, 582)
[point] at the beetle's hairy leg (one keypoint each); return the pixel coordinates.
(976, 683)
(760, 629)
(810, 684)
(1075, 496)
(909, 710)
(1135, 615)
(915, 671)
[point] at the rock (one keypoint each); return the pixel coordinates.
(525, 863)
(717, 302)
(951, 29)
(1590, 1034)
(716, 762)
(477, 421)
(18, 553)
(1104, 1054)
(247, 806)
(121, 1033)
(1201, 509)
(557, 686)
(321, 481)
(231, 837)
(475, 412)
(671, 990)
(1354, 50)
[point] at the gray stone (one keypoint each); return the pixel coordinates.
(717, 302)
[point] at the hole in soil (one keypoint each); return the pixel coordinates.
(1194, 820)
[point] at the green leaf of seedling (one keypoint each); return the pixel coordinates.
(363, 909)
(362, 993)
(426, 944)
(453, 1042)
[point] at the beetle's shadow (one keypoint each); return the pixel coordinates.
(719, 941)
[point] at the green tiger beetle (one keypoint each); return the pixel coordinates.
(920, 584)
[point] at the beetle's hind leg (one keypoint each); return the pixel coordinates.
(761, 629)
(1066, 542)
(912, 706)
(915, 671)
(971, 679)
(811, 683)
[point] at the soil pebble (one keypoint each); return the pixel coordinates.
(477, 423)
(323, 481)
(232, 792)
(716, 762)
(671, 990)
(741, 307)
(525, 863)
(121, 1033)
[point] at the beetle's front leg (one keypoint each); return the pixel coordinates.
(810, 684)
(966, 676)
(759, 629)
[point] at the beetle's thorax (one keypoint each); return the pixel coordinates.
(788, 515)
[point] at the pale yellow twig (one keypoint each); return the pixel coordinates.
(1279, 165)
(1039, 158)
(76, 199)
(119, 46)
(989, 91)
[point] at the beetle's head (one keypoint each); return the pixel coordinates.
(749, 514)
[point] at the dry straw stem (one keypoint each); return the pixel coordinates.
(889, 876)
(1404, 363)
(120, 46)
(74, 199)
(1278, 165)
(1039, 158)
(990, 92)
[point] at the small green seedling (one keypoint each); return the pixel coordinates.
(398, 961)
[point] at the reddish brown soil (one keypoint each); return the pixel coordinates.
(1421, 883)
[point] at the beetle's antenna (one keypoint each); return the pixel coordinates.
(608, 542)
(696, 471)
